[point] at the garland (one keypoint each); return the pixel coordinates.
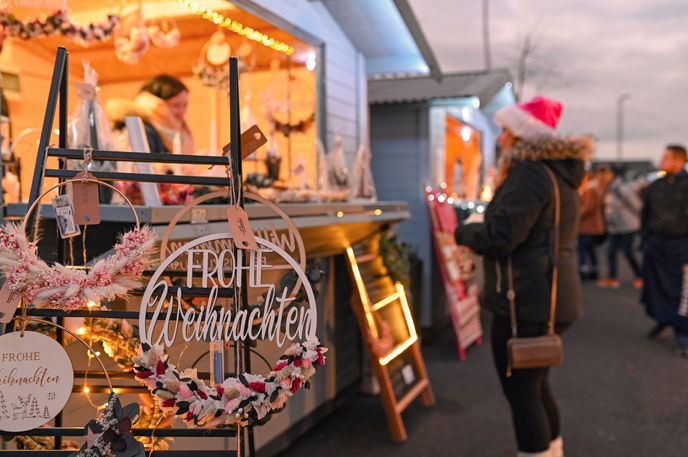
(246, 400)
(56, 22)
(64, 288)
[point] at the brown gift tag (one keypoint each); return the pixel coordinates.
(251, 140)
(86, 203)
(242, 232)
(9, 300)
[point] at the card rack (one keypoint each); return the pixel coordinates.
(59, 92)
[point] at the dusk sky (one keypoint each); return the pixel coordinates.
(601, 48)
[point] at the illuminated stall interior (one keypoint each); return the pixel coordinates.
(462, 159)
(277, 83)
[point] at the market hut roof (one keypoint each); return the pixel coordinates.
(482, 84)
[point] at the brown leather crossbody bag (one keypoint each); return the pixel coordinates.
(546, 350)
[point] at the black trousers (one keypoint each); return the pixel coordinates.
(534, 411)
(624, 242)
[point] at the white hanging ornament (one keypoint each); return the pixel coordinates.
(36, 380)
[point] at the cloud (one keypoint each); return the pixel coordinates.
(602, 48)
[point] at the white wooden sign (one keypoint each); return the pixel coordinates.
(36, 380)
(221, 268)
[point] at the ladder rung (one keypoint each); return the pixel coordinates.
(139, 157)
(366, 258)
(386, 301)
(140, 177)
(411, 395)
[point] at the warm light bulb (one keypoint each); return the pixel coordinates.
(86, 389)
(378, 212)
(340, 213)
(81, 331)
(91, 304)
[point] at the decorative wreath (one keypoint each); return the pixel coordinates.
(246, 400)
(60, 287)
(56, 22)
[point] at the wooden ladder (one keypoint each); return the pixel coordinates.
(385, 319)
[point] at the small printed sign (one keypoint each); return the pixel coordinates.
(36, 380)
(64, 216)
(86, 203)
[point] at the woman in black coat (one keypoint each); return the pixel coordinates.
(518, 226)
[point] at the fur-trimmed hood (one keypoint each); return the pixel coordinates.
(564, 155)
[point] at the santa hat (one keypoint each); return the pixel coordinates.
(535, 119)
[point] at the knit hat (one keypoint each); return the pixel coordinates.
(534, 119)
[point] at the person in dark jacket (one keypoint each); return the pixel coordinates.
(664, 225)
(518, 228)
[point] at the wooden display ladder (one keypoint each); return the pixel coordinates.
(392, 358)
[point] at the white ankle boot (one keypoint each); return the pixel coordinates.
(546, 453)
(556, 447)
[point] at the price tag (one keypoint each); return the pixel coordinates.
(64, 216)
(251, 140)
(86, 203)
(9, 300)
(242, 232)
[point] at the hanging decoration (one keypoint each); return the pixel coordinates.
(286, 128)
(165, 34)
(211, 67)
(236, 26)
(64, 288)
(110, 434)
(246, 400)
(54, 23)
(131, 37)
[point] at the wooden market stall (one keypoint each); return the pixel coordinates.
(306, 102)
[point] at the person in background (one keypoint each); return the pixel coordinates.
(664, 224)
(516, 237)
(162, 104)
(591, 231)
(622, 206)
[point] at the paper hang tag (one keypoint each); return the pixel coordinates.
(242, 232)
(9, 300)
(251, 140)
(86, 202)
(64, 216)
(86, 91)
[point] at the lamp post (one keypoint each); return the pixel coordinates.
(619, 126)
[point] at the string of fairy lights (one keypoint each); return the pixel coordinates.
(235, 26)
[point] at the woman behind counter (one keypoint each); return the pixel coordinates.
(161, 103)
(516, 237)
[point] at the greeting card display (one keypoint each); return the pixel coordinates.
(36, 380)
(456, 266)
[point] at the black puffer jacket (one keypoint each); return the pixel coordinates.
(518, 224)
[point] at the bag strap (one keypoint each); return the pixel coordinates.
(511, 293)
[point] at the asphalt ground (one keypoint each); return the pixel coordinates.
(619, 394)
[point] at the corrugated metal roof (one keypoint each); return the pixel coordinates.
(481, 84)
